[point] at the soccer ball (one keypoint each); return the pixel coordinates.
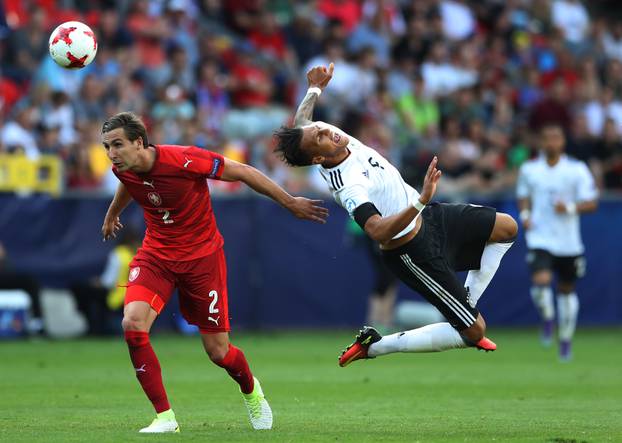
(73, 45)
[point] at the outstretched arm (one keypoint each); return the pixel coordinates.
(317, 77)
(299, 206)
(383, 229)
(112, 223)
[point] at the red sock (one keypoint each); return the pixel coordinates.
(236, 365)
(147, 368)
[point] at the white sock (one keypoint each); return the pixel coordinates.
(567, 311)
(478, 281)
(542, 297)
(431, 338)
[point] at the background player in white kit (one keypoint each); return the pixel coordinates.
(424, 248)
(552, 191)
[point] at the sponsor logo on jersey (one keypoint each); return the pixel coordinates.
(366, 173)
(148, 183)
(134, 272)
(154, 198)
(215, 167)
(187, 162)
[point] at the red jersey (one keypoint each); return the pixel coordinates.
(176, 201)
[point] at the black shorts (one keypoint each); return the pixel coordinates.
(452, 238)
(568, 269)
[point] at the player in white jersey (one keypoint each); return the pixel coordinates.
(423, 244)
(552, 191)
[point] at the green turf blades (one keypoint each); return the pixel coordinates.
(86, 391)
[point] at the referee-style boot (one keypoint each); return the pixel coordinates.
(358, 349)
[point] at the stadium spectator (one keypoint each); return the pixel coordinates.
(27, 46)
(177, 68)
(571, 17)
(520, 50)
(150, 30)
(18, 134)
(372, 32)
(212, 96)
(348, 12)
(458, 19)
(607, 160)
(597, 111)
(553, 108)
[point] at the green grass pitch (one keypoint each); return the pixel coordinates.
(85, 390)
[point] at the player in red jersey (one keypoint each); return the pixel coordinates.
(182, 248)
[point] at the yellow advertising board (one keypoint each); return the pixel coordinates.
(18, 173)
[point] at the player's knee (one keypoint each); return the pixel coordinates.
(508, 228)
(133, 323)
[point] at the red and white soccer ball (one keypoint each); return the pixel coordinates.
(73, 45)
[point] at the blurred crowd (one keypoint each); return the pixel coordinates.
(470, 81)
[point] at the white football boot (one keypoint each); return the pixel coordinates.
(259, 411)
(164, 422)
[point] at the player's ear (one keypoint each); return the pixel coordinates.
(318, 160)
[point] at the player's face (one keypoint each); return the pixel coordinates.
(553, 141)
(123, 153)
(322, 143)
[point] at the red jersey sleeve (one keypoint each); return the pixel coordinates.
(203, 163)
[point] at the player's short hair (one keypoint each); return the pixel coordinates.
(288, 147)
(551, 125)
(132, 125)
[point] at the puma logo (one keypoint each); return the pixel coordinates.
(187, 162)
(150, 184)
(141, 369)
(215, 320)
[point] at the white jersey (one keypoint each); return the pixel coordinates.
(569, 181)
(366, 176)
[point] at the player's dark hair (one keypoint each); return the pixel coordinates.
(288, 147)
(551, 125)
(132, 125)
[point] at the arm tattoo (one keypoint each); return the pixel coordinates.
(304, 113)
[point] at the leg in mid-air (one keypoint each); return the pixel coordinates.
(138, 317)
(540, 263)
(441, 287)
(435, 337)
(435, 279)
(232, 359)
(501, 240)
